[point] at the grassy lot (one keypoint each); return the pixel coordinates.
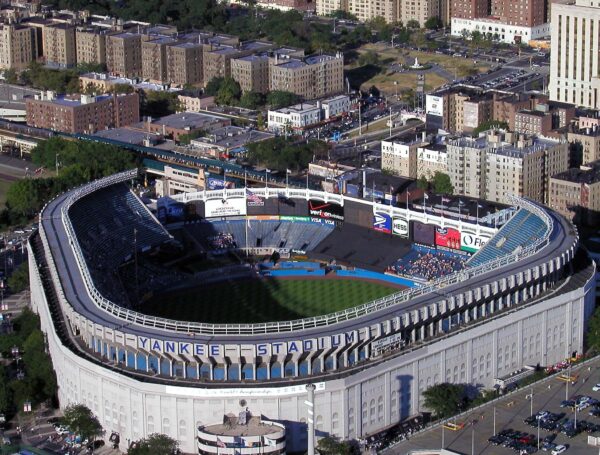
(384, 79)
(265, 300)
(4, 184)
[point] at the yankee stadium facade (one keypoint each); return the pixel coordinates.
(370, 364)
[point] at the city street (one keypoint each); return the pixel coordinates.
(510, 412)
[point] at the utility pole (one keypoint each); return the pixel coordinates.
(56, 163)
(494, 420)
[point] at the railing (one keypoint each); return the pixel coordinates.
(283, 326)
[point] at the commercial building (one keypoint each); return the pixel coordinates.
(499, 30)
(297, 117)
(82, 113)
(154, 59)
(498, 164)
(575, 194)
(59, 46)
(124, 54)
(91, 45)
(185, 63)
(184, 123)
(312, 77)
(18, 46)
(575, 51)
(228, 141)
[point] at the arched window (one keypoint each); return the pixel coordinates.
(182, 429)
(135, 423)
(335, 421)
(372, 412)
(380, 408)
(166, 426)
(150, 425)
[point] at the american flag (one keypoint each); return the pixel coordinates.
(253, 197)
(446, 199)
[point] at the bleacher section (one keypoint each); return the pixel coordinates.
(523, 229)
(264, 233)
(110, 223)
(428, 263)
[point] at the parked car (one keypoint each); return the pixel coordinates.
(559, 449)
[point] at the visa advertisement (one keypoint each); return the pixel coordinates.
(447, 237)
(382, 222)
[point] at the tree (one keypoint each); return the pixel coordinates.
(153, 445)
(368, 58)
(592, 336)
(252, 100)
(260, 121)
(19, 280)
(332, 446)
(413, 24)
(341, 14)
(81, 421)
(281, 154)
(11, 76)
(280, 98)
(422, 183)
(185, 139)
(490, 125)
(229, 92)
(433, 23)
(159, 104)
(5, 393)
(445, 399)
(441, 183)
(213, 86)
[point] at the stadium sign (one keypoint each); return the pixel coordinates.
(215, 208)
(472, 242)
(261, 349)
(382, 222)
(379, 345)
(400, 227)
(326, 210)
(447, 237)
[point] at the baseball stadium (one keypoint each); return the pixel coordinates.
(300, 310)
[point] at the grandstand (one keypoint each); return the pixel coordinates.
(523, 229)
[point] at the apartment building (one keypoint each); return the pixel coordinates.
(588, 140)
(82, 113)
(575, 194)
(124, 54)
(499, 164)
(366, 10)
(217, 59)
(418, 10)
(39, 24)
(60, 50)
(90, 43)
(154, 59)
(185, 63)
(400, 158)
(467, 9)
(312, 77)
(17, 46)
(432, 158)
(251, 72)
(326, 7)
(533, 122)
(526, 13)
(575, 50)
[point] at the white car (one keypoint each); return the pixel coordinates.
(596, 388)
(559, 449)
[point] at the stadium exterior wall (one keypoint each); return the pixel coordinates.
(349, 406)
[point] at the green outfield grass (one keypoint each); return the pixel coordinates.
(265, 300)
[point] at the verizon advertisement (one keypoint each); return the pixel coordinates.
(447, 237)
(326, 210)
(400, 227)
(216, 208)
(472, 242)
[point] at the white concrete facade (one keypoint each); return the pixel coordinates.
(499, 31)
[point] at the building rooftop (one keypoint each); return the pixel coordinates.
(128, 135)
(232, 137)
(62, 26)
(292, 64)
(587, 174)
(187, 120)
(532, 112)
(296, 108)
(162, 40)
(512, 151)
(186, 45)
(591, 132)
(314, 59)
(253, 58)
(126, 35)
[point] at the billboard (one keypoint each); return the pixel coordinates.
(434, 105)
(447, 237)
(214, 208)
(400, 227)
(472, 242)
(217, 184)
(382, 222)
(169, 210)
(423, 233)
(327, 210)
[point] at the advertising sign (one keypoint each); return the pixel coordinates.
(434, 105)
(382, 222)
(400, 227)
(214, 208)
(253, 199)
(327, 210)
(472, 242)
(169, 210)
(423, 233)
(447, 237)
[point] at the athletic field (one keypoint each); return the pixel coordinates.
(265, 300)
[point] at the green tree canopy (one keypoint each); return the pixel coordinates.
(332, 446)
(445, 399)
(433, 23)
(280, 154)
(252, 100)
(423, 183)
(81, 421)
(153, 445)
(489, 125)
(229, 92)
(280, 98)
(213, 86)
(368, 58)
(413, 24)
(159, 104)
(441, 183)
(19, 280)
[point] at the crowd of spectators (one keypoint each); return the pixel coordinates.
(222, 241)
(428, 265)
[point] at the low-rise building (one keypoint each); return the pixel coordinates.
(495, 29)
(194, 102)
(400, 158)
(184, 123)
(335, 107)
(228, 141)
(575, 194)
(82, 113)
(297, 117)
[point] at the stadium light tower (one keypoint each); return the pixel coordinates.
(310, 403)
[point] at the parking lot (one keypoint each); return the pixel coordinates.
(507, 417)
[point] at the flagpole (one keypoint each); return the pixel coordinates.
(478, 214)
(245, 179)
